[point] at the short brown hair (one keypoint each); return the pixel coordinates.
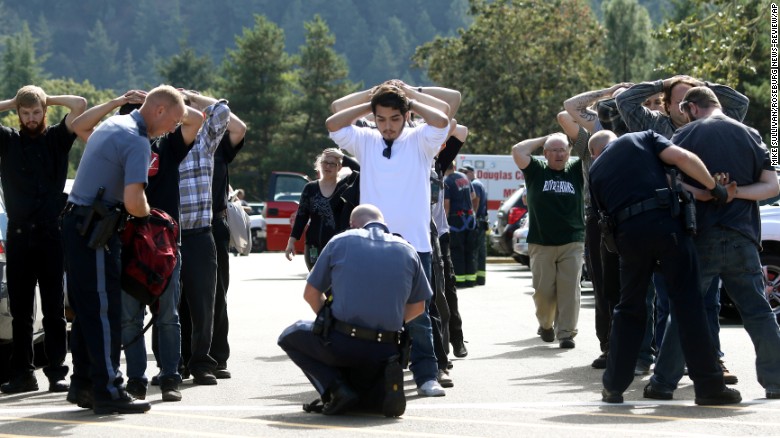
(701, 96)
(29, 96)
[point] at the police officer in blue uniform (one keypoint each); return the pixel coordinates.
(113, 171)
(365, 319)
(628, 184)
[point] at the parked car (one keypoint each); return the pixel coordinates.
(770, 260)
(520, 243)
(508, 219)
(257, 208)
(258, 226)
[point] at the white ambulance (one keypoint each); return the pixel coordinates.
(498, 173)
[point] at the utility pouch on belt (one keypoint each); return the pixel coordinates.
(324, 321)
(405, 347)
(607, 228)
(102, 221)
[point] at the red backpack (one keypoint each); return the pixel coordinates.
(149, 256)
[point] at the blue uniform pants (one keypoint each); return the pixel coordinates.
(94, 293)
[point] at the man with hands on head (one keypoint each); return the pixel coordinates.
(640, 118)
(556, 237)
(395, 162)
(34, 166)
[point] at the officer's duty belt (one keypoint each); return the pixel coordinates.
(641, 207)
(78, 210)
(365, 334)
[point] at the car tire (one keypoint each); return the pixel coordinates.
(772, 263)
(522, 259)
(258, 243)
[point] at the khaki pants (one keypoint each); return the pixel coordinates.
(556, 274)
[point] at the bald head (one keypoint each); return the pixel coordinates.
(363, 214)
(162, 110)
(599, 141)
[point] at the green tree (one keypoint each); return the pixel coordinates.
(630, 52)
(188, 70)
(320, 76)
(100, 56)
(256, 86)
(515, 65)
(722, 41)
(21, 65)
(716, 42)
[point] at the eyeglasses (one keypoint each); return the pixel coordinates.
(387, 151)
(329, 164)
(684, 105)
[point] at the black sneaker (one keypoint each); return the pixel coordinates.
(725, 397)
(156, 379)
(394, 403)
(444, 379)
(19, 384)
(222, 373)
(80, 396)
(125, 404)
(201, 377)
(58, 385)
(657, 394)
(459, 348)
(608, 396)
(548, 335)
(341, 399)
(566, 343)
(136, 388)
(600, 363)
(169, 386)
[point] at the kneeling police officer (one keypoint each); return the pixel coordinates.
(378, 283)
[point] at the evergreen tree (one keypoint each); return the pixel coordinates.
(320, 77)
(630, 50)
(99, 59)
(256, 87)
(21, 65)
(515, 65)
(188, 70)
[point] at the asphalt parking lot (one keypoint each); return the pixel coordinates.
(511, 384)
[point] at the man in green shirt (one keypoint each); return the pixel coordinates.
(556, 233)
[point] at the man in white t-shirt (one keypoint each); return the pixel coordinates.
(395, 162)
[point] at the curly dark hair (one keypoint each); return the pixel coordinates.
(390, 96)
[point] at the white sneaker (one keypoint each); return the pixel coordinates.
(431, 388)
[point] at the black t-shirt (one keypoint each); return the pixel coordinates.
(220, 180)
(162, 190)
(629, 171)
(34, 171)
(726, 145)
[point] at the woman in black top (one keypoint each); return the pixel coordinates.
(322, 206)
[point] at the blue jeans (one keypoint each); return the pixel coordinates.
(711, 306)
(168, 329)
(735, 258)
(423, 359)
